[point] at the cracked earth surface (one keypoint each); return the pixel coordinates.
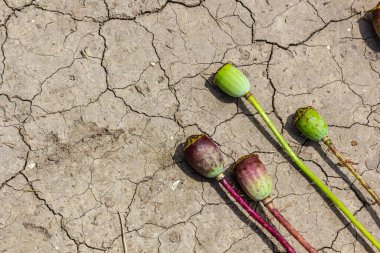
(97, 97)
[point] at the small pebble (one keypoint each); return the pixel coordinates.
(152, 63)
(175, 184)
(354, 143)
(31, 165)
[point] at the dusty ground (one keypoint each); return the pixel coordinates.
(97, 98)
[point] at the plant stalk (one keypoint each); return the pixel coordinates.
(254, 214)
(351, 168)
(268, 203)
(309, 173)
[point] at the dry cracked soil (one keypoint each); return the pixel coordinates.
(98, 96)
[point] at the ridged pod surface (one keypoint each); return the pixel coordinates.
(253, 177)
(204, 155)
(310, 123)
(232, 81)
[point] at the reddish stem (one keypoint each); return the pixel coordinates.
(255, 215)
(269, 205)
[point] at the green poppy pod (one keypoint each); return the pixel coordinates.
(310, 123)
(232, 81)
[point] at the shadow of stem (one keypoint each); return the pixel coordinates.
(336, 211)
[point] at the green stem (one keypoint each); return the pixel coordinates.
(309, 173)
(351, 168)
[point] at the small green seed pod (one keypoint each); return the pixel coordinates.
(232, 81)
(204, 155)
(376, 19)
(310, 123)
(253, 177)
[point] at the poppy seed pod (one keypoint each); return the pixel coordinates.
(204, 155)
(232, 81)
(376, 19)
(312, 125)
(254, 178)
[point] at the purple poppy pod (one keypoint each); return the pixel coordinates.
(204, 155)
(253, 177)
